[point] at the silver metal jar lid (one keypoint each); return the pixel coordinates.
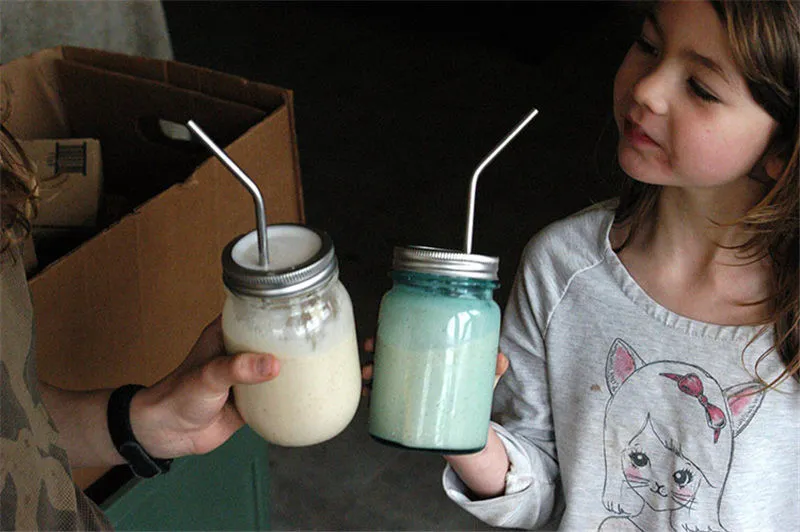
(301, 258)
(446, 262)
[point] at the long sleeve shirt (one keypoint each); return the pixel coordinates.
(619, 414)
(36, 487)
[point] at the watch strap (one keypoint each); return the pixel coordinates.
(119, 427)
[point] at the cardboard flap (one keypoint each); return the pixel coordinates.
(181, 75)
(124, 111)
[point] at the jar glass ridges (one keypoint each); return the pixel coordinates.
(300, 312)
(435, 353)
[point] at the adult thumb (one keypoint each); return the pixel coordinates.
(244, 368)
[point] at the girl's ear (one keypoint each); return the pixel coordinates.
(769, 168)
(774, 160)
(774, 166)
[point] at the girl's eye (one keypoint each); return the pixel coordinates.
(700, 92)
(645, 46)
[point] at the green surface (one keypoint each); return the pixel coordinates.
(227, 489)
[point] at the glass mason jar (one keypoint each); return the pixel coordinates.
(435, 352)
(300, 312)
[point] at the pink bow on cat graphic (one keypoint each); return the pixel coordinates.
(691, 384)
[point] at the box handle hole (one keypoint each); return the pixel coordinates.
(169, 134)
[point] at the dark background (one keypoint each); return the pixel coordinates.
(396, 105)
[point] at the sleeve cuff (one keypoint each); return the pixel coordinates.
(518, 479)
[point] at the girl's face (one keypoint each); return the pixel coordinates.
(683, 110)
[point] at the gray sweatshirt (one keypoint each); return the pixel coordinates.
(618, 414)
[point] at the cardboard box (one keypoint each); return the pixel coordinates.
(127, 305)
(70, 173)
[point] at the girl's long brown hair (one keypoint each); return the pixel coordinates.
(765, 39)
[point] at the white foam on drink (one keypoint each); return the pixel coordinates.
(288, 245)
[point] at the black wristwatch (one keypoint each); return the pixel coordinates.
(119, 426)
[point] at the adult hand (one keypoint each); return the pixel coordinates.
(191, 411)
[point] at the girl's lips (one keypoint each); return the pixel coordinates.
(636, 135)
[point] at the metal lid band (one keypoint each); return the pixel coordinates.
(293, 280)
(446, 262)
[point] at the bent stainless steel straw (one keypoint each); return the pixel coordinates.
(258, 199)
(474, 183)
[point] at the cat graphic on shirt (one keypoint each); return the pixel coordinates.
(669, 433)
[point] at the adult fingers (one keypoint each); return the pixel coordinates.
(208, 345)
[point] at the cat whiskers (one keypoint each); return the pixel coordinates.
(686, 501)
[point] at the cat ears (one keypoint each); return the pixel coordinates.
(743, 402)
(743, 399)
(621, 362)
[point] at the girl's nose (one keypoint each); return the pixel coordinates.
(650, 91)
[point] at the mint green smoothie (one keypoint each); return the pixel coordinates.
(435, 356)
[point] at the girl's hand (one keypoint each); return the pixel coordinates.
(367, 369)
(501, 367)
(191, 411)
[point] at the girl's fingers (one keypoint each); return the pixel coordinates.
(366, 377)
(369, 345)
(366, 372)
(502, 364)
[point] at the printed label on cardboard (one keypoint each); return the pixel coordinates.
(70, 181)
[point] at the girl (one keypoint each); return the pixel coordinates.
(653, 341)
